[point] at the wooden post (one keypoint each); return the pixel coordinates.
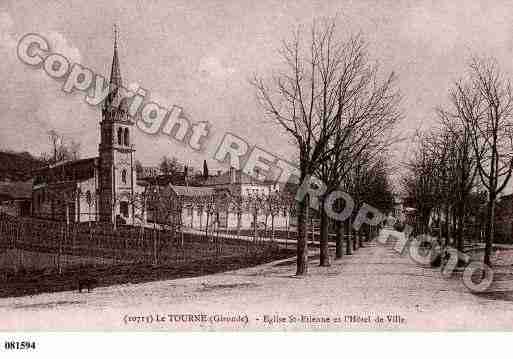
(272, 228)
(254, 225)
(287, 219)
(20, 250)
(154, 243)
(206, 227)
(239, 220)
(312, 229)
(59, 268)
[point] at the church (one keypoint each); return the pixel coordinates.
(102, 188)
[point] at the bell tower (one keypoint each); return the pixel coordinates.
(117, 173)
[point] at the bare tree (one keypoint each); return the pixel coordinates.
(367, 111)
(441, 144)
(168, 166)
(74, 150)
(302, 100)
(330, 101)
(463, 169)
(484, 104)
(60, 150)
(420, 183)
(55, 141)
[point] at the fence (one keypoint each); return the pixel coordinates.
(34, 245)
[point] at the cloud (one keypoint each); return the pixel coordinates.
(133, 86)
(33, 102)
(426, 25)
(7, 38)
(212, 67)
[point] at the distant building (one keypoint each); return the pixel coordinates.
(239, 183)
(177, 204)
(149, 172)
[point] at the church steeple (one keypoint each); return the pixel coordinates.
(115, 75)
(115, 72)
(117, 178)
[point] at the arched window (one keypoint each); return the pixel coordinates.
(127, 139)
(120, 136)
(123, 176)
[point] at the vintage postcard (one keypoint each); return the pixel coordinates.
(255, 166)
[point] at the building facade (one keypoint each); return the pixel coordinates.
(102, 188)
(239, 183)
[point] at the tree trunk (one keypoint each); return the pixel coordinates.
(323, 242)
(459, 227)
(302, 240)
(272, 228)
(447, 225)
(339, 240)
(265, 225)
(490, 230)
(347, 232)
(255, 227)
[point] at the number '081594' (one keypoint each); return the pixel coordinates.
(23, 345)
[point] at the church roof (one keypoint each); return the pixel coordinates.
(68, 164)
(16, 190)
(77, 170)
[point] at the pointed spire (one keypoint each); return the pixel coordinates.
(115, 73)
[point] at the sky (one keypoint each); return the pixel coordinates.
(200, 55)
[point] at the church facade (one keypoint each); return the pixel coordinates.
(102, 188)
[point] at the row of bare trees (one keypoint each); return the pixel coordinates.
(61, 148)
(468, 154)
(338, 110)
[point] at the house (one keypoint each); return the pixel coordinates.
(186, 205)
(239, 183)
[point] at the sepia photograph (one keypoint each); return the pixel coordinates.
(243, 166)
